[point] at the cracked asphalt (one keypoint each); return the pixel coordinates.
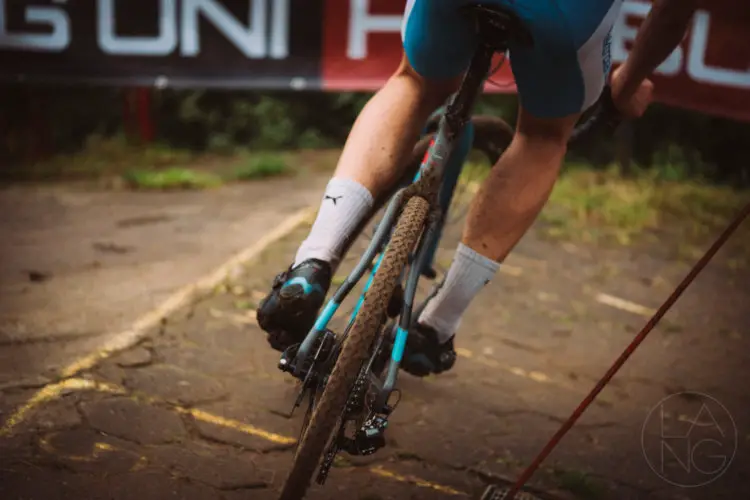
(80, 263)
(198, 410)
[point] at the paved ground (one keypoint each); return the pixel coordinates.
(197, 410)
(80, 263)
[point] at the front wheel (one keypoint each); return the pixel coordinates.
(355, 351)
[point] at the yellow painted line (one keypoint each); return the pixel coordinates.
(524, 261)
(464, 352)
(625, 305)
(140, 464)
(52, 392)
(185, 295)
(510, 270)
(534, 375)
(244, 319)
(96, 452)
(538, 376)
(55, 391)
(140, 328)
(417, 481)
(237, 426)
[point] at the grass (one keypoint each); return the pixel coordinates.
(246, 167)
(591, 205)
(155, 166)
(601, 206)
(102, 157)
(172, 178)
(597, 206)
(585, 205)
(259, 166)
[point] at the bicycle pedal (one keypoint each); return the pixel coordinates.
(287, 358)
(495, 492)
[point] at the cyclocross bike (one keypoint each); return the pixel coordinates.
(349, 378)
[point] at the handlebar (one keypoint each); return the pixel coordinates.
(606, 118)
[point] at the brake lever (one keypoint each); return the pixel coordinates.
(606, 118)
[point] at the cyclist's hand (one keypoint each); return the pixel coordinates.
(631, 106)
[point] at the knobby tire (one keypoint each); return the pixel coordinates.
(355, 350)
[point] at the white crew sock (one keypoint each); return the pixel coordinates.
(345, 204)
(468, 274)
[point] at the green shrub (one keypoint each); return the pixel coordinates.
(259, 166)
(171, 178)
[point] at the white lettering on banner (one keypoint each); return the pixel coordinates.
(280, 29)
(696, 67)
(361, 24)
(162, 44)
(252, 39)
(53, 17)
(622, 33)
(699, 70)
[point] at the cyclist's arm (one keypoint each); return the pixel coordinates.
(661, 32)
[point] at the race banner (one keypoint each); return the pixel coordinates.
(709, 72)
(260, 44)
(333, 45)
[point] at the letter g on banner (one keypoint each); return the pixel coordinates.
(38, 16)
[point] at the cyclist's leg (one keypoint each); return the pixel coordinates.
(562, 75)
(373, 157)
(557, 80)
(377, 147)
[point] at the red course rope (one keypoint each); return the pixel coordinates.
(511, 494)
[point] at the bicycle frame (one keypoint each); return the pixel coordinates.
(453, 168)
(441, 167)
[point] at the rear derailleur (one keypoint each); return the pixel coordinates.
(368, 439)
(370, 434)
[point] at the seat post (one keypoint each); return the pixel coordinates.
(460, 108)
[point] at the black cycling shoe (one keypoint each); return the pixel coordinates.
(289, 311)
(423, 354)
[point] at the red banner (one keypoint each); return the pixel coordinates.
(709, 72)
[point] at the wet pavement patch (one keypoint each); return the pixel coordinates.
(174, 384)
(134, 420)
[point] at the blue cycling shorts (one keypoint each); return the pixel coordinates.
(562, 74)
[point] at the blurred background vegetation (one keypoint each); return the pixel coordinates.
(39, 124)
(687, 173)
